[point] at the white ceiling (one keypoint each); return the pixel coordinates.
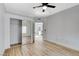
(26, 9)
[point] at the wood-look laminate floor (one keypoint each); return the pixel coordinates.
(40, 48)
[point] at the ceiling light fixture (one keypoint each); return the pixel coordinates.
(44, 7)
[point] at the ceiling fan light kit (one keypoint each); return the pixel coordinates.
(45, 6)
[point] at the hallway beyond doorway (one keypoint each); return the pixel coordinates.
(38, 31)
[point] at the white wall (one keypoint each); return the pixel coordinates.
(2, 11)
(63, 28)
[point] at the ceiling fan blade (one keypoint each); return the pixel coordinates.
(51, 6)
(44, 4)
(37, 6)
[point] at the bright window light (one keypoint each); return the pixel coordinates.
(24, 29)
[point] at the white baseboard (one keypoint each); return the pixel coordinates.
(61, 44)
(2, 52)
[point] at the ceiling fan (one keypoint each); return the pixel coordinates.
(45, 6)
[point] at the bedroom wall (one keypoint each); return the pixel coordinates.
(63, 28)
(2, 14)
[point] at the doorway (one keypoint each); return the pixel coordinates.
(38, 31)
(21, 32)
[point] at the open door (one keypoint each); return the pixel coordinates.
(15, 31)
